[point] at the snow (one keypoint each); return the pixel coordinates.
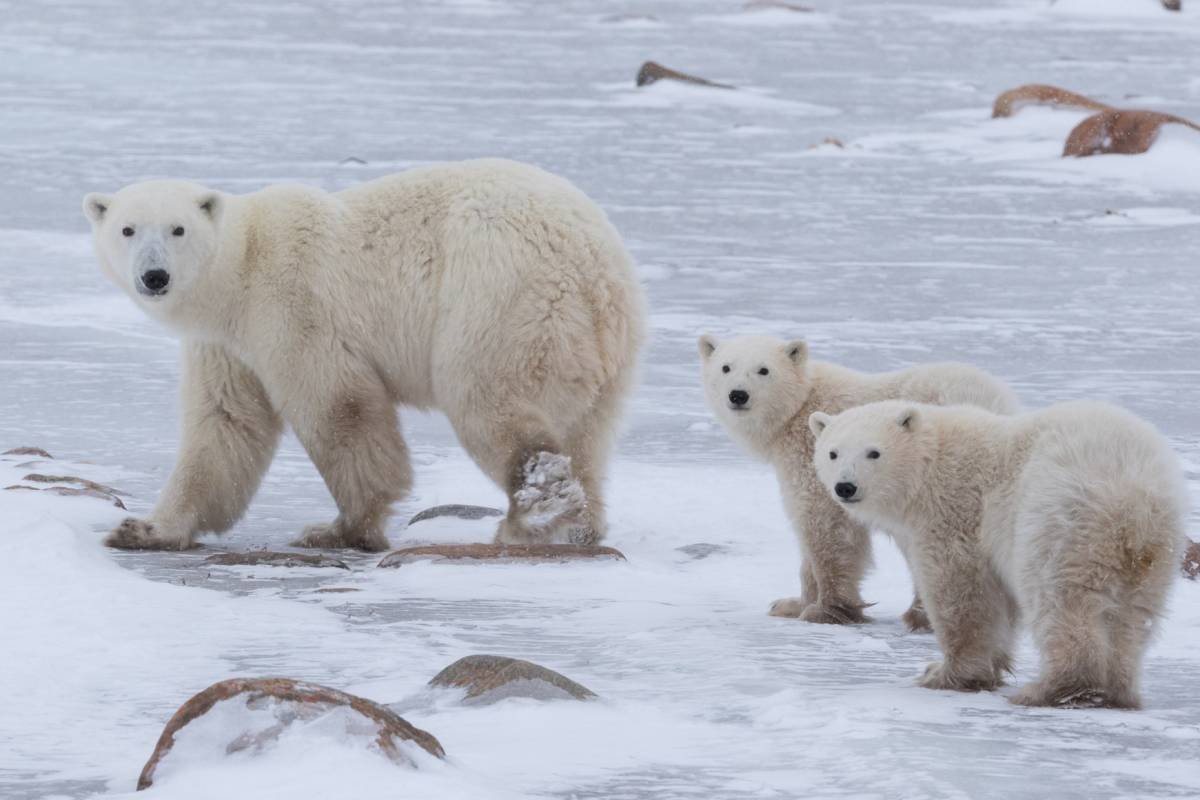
(936, 232)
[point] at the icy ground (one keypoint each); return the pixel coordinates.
(935, 233)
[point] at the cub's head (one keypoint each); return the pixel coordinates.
(155, 239)
(754, 384)
(870, 458)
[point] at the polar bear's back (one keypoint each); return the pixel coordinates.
(1100, 499)
(950, 383)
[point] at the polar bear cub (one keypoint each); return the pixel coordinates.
(763, 391)
(1071, 516)
(490, 290)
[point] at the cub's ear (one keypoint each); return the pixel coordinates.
(818, 421)
(909, 419)
(707, 345)
(211, 205)
(797, 351)
(95, 205)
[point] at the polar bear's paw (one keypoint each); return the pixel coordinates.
(939, 676)
(139, 534)
(1073, 696)
(335, 536)
(791, 607)
(550, 505)
(917, 619)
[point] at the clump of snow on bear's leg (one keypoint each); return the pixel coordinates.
(550, 505)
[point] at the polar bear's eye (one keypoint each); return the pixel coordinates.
(725, 368)
(764, 371)
(178, 231)
(127, 231)
(833, 455)
(872, 454)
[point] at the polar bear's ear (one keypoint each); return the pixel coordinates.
(818, 421)
(707, 345)
(797, 350)
(909, 419)
(211, 205)
(95, 205)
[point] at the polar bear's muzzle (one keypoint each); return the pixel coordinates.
(153, 282)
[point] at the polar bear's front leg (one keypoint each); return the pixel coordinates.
(969, 609)
(230, 432)
(354, 440)
(836, 552)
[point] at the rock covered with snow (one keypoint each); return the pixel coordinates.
(504, 553)
(273, 558)
(488, 679)
(250, 715)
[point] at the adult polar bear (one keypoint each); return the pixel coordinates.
(488, 289)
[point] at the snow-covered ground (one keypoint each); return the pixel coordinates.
(935, 232)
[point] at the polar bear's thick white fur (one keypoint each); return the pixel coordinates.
(490, 290)
(1071, 516)
(763, 391)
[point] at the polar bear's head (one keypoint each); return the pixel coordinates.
(870, 457)
(754, 384)
(155, 239)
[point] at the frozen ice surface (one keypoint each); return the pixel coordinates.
(934, 233)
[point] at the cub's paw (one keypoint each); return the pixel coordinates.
(335, 536)
(835, 614)
(138, 534)
(791, 607)
(939, 676)
(916, 619)
(1039, 694)
(550, 505)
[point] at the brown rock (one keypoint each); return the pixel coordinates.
(526, 553)
(761, 5)
(652, 72)
(1173, 5)
(1119, 131)
(36, 477)
(1191, 561)
(1036, 94)
(27, 451)
(489, 679)
(311, 700)
(70, 491)
(457, 511)
(337, 590)
(271, 558)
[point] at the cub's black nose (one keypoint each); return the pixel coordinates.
(845, 490)
(739, 397)
(156, 279)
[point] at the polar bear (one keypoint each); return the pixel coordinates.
(1071, 516)
(490, 290)
(763, 390)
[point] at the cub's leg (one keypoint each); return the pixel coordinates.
(353, 437)
(589, 446)
(230, 432)
(794, 606)
(836, 552)
(968, 606)
(1074, 645)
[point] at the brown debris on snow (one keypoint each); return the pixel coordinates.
(311, 700)
(1191, 561)
(652, 72)
(502, 553)
(1119, 131)
(1038, 94)
(488, 679)
(27, 451)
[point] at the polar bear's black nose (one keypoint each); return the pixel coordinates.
(845, 490)
(156, 279)
(739, 397)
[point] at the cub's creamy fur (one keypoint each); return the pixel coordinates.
(1071, 516)
(490, 290)
(779, 387)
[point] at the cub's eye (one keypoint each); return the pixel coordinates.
(764, 371)
(178, 231)
(127, 231)
(833, 455)
(725, 368)
(872, 454)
